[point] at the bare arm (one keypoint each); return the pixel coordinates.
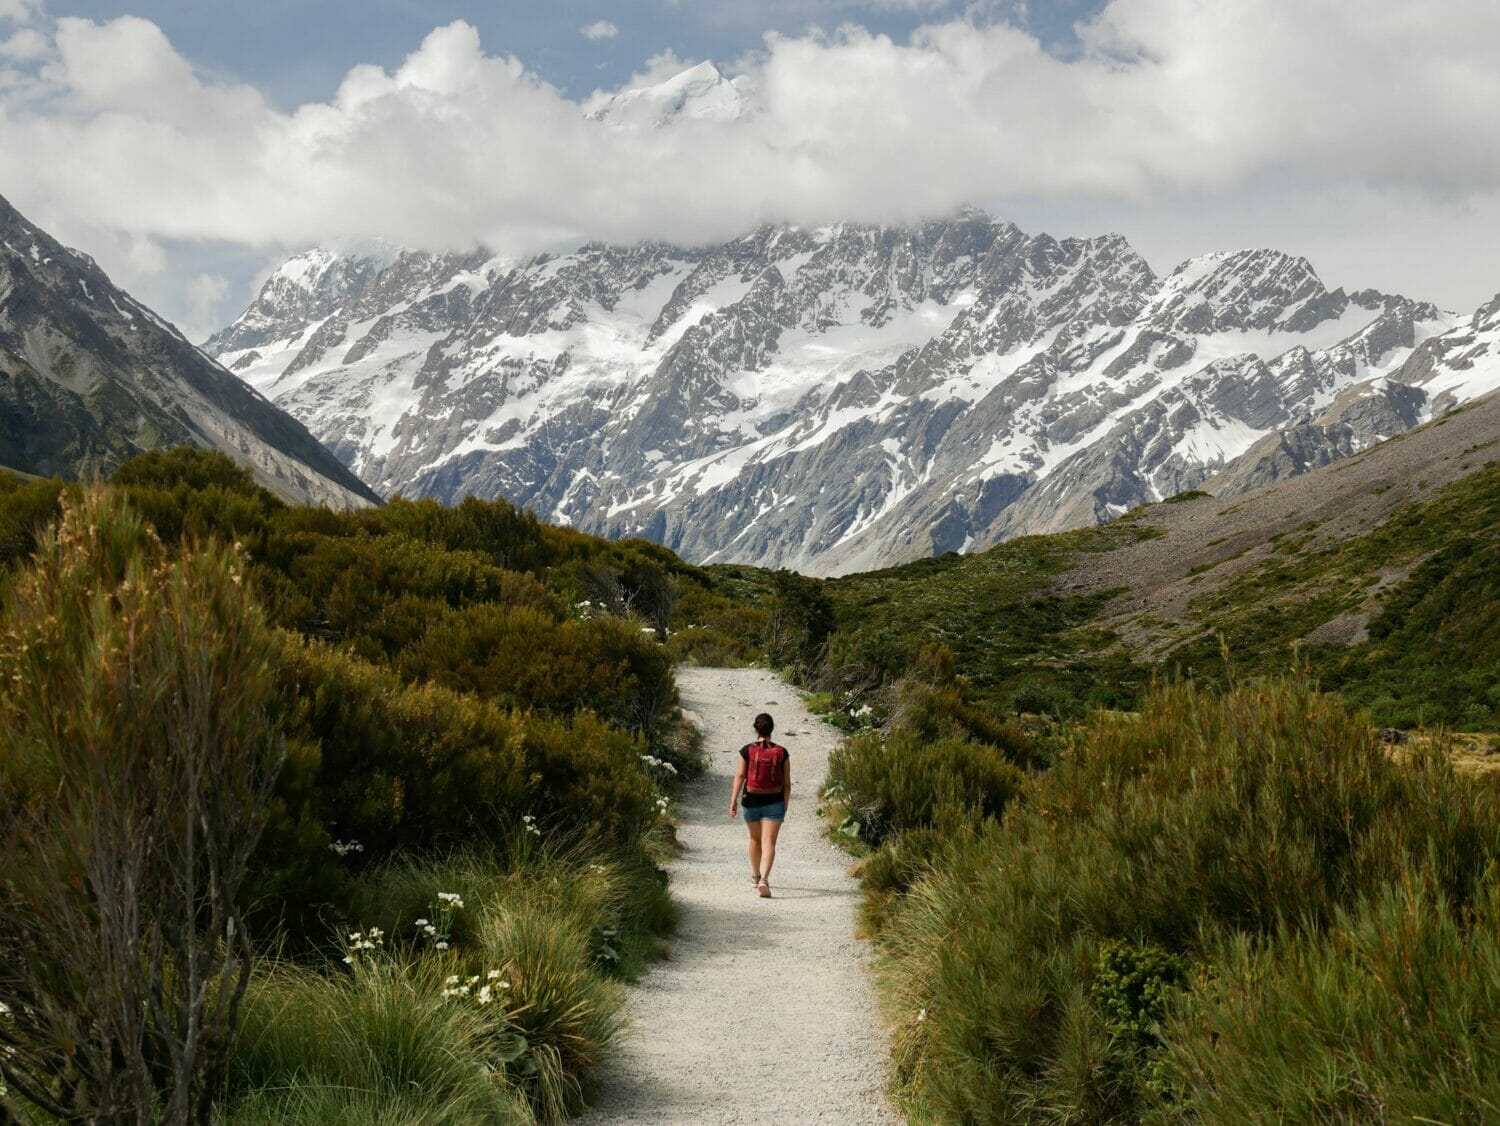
(739, 784)
(786, 782)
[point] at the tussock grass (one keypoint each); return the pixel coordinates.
(557, 924)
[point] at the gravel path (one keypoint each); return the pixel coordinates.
(765, 1011)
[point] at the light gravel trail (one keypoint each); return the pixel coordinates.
(765, 1010)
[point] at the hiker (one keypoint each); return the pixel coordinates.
(763, 788)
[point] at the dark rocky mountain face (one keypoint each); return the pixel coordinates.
(844, 397)
(90, 377)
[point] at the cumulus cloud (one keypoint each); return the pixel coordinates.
(19, 11)
(599, 29)
(116, 134)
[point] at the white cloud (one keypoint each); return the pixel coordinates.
(204, 296)
(599, 29)
(19, 11)
(26, 44)
(1173, 112)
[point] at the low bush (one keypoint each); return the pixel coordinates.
(26, 508)
(1392, 1015)
(377, 765)
(895, 783)
(1212, 851)
(933, 712)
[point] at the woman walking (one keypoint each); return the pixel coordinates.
(762, 789)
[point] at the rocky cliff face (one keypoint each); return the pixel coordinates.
(90, 377)
(844, 397)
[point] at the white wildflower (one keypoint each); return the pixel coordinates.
(484, 995)
(493, 975)
(441, 945)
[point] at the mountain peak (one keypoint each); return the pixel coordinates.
(699, 93)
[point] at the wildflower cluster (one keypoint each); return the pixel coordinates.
(344, 848)
(528, 822)
(481, 989)
(362, 941)
(440, 927)
(658, 763)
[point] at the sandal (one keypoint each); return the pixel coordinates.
(764, 889)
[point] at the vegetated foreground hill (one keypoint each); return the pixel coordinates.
(846, 397)
(1383, 571)
(450, 737)
(89, 377)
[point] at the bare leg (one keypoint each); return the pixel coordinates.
(754, 846)
(768, 832)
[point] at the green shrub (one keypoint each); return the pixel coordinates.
(140, 738)
(1392, 1015)
(933, 712)
(1262, 818)
(26, 507)
(418, 765)
(1132, 990)
(894, 868)
(897, 783)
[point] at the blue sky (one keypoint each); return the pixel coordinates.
(190, 145)
(298, 50)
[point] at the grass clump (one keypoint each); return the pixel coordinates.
(488, 981)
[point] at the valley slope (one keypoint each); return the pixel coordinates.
(89, 377)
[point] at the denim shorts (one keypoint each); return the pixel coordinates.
(774, 811)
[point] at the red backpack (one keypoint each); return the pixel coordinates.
(766, 770)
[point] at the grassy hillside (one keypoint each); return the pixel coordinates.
(1403, 618)
(1018, 639)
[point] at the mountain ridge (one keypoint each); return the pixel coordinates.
(847, 396)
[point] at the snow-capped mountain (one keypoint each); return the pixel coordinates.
(844, 397)
(89, 377)
(700, 93)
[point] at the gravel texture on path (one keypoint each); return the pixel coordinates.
(765, 1011)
